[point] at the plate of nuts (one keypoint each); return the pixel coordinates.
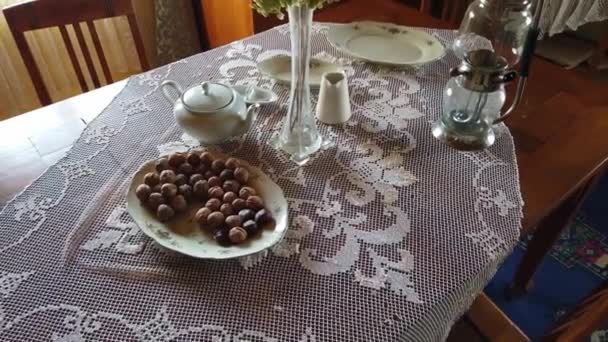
(207, 205)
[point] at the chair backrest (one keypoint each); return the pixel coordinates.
(39, 14)
(450, 11)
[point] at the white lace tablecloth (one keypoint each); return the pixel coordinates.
(392, 234)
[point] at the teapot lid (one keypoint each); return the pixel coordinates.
(208, 97)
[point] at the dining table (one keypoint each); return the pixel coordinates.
(74, 266)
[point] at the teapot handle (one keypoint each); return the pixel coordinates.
(171, 84)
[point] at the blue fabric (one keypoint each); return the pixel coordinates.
(574, 268)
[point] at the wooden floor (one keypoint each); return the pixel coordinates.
(464, 330)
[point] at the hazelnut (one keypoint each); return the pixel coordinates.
(218, 165)
(186, 191)
(200, 189)
(251, 227)
(167, 176)
(215, 219)
(241, 174)
(232, 163)
(181, 179)
(255, 202)
(186, 169)
(143, 191)
(246, 214)
(231, 186)
(193, 158)
(151, 178)
(208, 174)
(229, 197)
(179, 203)
(206, 158)
(201, 216)
(246, 191)
(227, 209)
(233, 221)
(213, 204)
(214, 181)
(226, 174)
(237, 235)
(201, 168)
(168, 190)
(216, 192)
(162, 164)
(263, 216)
(155, 200)
(195, 178)
(177, 159)
(156, 188)
(239, 204)
(222, 238)
(164, 212)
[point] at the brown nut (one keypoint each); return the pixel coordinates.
(181, 179)
(213, 204)
(216, 192)
(263, 216)
(179, 203)
(215, 219)
(229, 197)
(239, 204)
(165, 212)
(201, 189)
(247, 191)
(237, 235)
(233, 221)
(214, 181)
(247, 214)
(156, 188)
(201, 216)
(221, 237)
(231, 186)
(186, 169)
(232, 163)
(195, 178)
(251, 227)
(226, 174)
(155, 200)
(201, 168)
(162, 164)
(168, 190)
(186, 191)
(241, 174)
(151, 178)
(143, 191)
(209, 174)
(206, 158)
(177, 159)
(167, 176)
(227, 209)
(218, 166)
(193, 158)
(255, 203)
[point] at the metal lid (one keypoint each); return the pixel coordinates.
(208, 97)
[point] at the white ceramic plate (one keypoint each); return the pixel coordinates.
(385, 43)
(279, 68)
(183, 235)
(262, 95)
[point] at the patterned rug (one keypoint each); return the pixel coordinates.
(578, 262)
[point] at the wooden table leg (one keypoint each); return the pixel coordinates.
(545, 235)
(587, 317)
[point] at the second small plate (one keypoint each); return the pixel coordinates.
(279, 68)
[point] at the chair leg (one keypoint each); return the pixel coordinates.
(545, 235)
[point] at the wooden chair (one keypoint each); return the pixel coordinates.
(34, 15)
(451, 11)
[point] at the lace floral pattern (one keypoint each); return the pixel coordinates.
(391, 234)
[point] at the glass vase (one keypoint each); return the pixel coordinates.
(299, 136)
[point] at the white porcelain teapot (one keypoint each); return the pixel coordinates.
(210, 112)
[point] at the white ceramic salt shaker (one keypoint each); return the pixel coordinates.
(334, 101)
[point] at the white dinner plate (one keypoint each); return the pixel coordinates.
(182, 234)
(385, 43)
(279, 68)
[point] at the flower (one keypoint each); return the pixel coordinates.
(269, 7)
